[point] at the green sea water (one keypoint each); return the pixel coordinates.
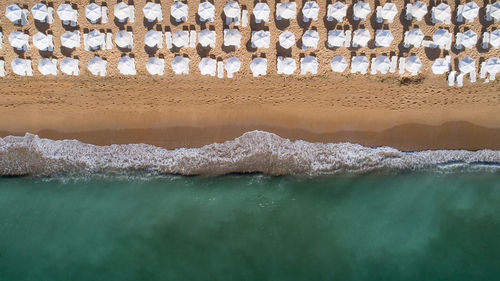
(415, 226)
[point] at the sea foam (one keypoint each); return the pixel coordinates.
(253, 152)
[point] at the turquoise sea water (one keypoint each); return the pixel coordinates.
(416, 226)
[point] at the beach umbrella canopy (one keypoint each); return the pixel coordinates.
(124, 39)
(389, 11)
(18, 40)
(93, 12)
(261, 12)
(310, 39)
(121, 11)
(495, 38)
(336, 38)
(413, 64)
(310, 10)
(153, 38)
(70, 39)
(415, 36)
(440, 66)
(47, 67)
(442, 12)
(383, 38)
(287, 39)
(441, 36)
(180, 38)
(232, 9)
(97, 65)
(40, 11)
(467, 65)
(152, 11)
(337, 10)
(493, 65)
(361, 37)
(361, 9)
(13, 12)
(206, 37)
(95, 39)
(382, 64)
(338, 64)
(208, 66)
(65, 12)
(469, 39)
(69, 66)
(126, 65)
(359, 64)
(258, 66)
(261, 39)
(179, 10)
(19, 66)
(470, 11)
(286, 65)
(180, 65)
(41, 41)
(206, 10)
(287, 10)
(232, 37)
(495, 10)
(232, 65)
(418, 10)
(155, 66)
(309, 64)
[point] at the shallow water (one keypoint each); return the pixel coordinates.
(414, 226)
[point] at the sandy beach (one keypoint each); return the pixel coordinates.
(409, 113)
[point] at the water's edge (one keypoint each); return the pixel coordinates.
(255, 151)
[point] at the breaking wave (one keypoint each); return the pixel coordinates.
(256, 151)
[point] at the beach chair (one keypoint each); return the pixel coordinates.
(379, 14)
(348, 38)
(373, 69)
(1, 40)
(460, 9)
(74, 21)
(433, 19)
(131, 16)
(405, 40)
(244, 18)
(51, 43)
(104, 14)
(192, 39)
(408, 11)
(29, 68)
(50, 16)
(85, 44)
(24, 17)
(473, 76)
(402, 65)
(460, 79)
(109, 41)
(458, 40)
(394, 64)
(168, 39)
(486, 40)
(451, 78)
(482, 70)
(2, 68)
(220, 69)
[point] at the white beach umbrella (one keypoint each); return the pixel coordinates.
(18, 40)
(389, 11)
(66, 12)
(69, 66)
(93, 12)
(413, 64)
(361, 37)
(95, 39)
(383, 38)
(309, 64)
(180, 65)
(152, 11)
(206, 11)
(179, 11)
(232, 65)
(122, 11)
(40, 12)
(495, 10)
(359, 64)
(232, 9)
(418, 10)
(97, 66)
(19, 66)
(41, 41)
(206, 38)
(126, 65)
(180, 38)
(495, 38)
(287, 10)
(286, 65)
(261, 39)
(232, 37)
(469, 39)
(470, 11)
(70, 39)
(337, 10)
(467, 65)
(258, 66)
(493, 65)
(310, 10)
(310, 39)
(155, 66)
(382, 64)
(208, 66)
(338, 64)
(13, 12)
(124, 39)
(336, 38)
(47, 67)
(287, 39)
(261, 12)
(361, 9)
(440, 66)
(415, 36)
(442, 12)
(441, 36)
(153, 38)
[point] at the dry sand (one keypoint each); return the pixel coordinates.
(193, 110)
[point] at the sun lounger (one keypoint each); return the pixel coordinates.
(192, 39)
(51, 43)
(168, 39)
(132, 13)
(1, 40)
(347, 42)
(402, 65)
(2, 68)
(486, 40)
(482, 71)
(451, 78)
(29, 68)
(220, 69)
(394, 64)
(373, 70)
(460, 9)
(85, 44)
(50, 16)
(244, 18)
(104, 14)
(460, 80)
(473, 76)
(458, 40)
(109, 41)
